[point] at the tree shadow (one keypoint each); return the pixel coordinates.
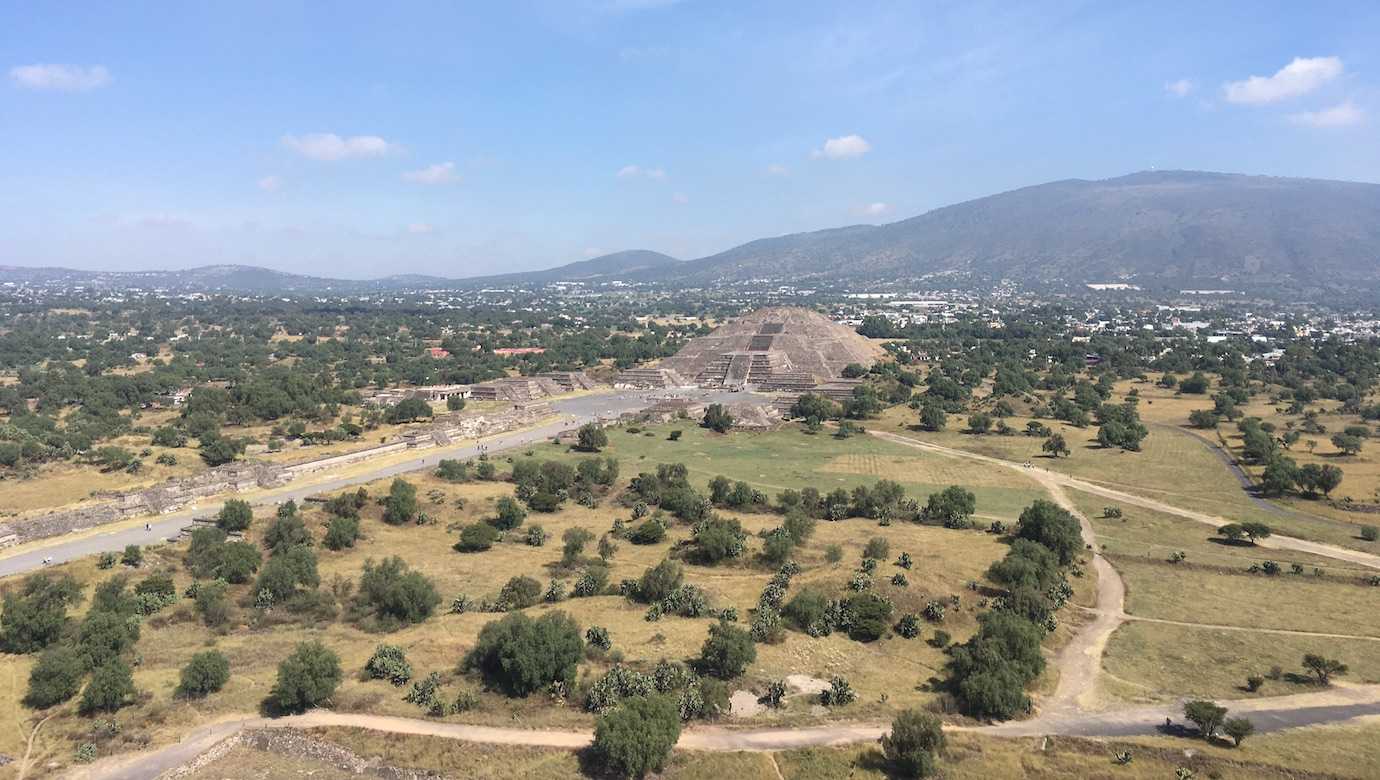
(1225, 542)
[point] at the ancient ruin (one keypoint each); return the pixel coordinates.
(776, 349)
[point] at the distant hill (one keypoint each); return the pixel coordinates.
(253, 279)
(1171, 225)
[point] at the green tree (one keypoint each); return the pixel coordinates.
(717, 418)
(235, 516)
(979, 423)
(637, 736)
(55, 678)
(520, 655)
(111, 687)
(1238, 729)
(916, 738)
(659, 581)
(932, 417)
(476, 537)
(341, 532)
(1324, 668)
(953, 507)
(408, 410)
(390, 595)
(1056, 446)
(286, 532)
(206, 673)
(36, 614)
(306, 678)
(591, 438)
(1051, 525)
(727, 652)
(455, 403)
(510, 514)
(401, 505)
(1206, 715)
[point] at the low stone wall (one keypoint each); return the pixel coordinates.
(301, 745)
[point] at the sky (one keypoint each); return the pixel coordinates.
(359, 140)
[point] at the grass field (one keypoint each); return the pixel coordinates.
(887, 674)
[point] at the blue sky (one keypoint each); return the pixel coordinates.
(365, 139)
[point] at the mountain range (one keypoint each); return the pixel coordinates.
(1155, 227)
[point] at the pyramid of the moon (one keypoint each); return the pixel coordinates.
(772, 349)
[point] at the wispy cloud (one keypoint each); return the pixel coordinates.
(843, 148)
(60, 78)
(777, 169)
(635, 171)
(1180, 88)
(270, 183)
(875, 209)
(440, 173)
(1299, 77)
(330, 147)
(1340, 115)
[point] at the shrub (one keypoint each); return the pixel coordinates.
(909, 625)
(211, 603)
(1206, 715)
(55, 678)
(206, 673)
(520, 655)
(592, 582)
(877, 548)
(306, 678)
(133, 555)
(806, 608)
(36, 614)
(637, 737)
(868, 616)
(476, 537)
(727, 652)
(285, 532)
(659, 581)
(1238, 729)
(341, 532)
(591, 438)
(535, 536)
(390, 595)
(235, 516)
(287, 574)
(649, 531)
(105, 635)
(833, 553)
(519, 593)
(1051, 525)
(510, 514)
(911, 746)
(389, 663)
(401, 504)
(1370, 533)
(838, 694)
(598, 636)
(717, 539)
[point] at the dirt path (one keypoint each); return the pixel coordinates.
(1046, 476)
(1249, 629)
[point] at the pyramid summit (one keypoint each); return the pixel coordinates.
(781, 348)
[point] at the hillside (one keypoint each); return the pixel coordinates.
(1173, 225)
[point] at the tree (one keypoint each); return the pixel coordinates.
(287, 573)
(408, 410)
(401, 505)
(1324, 668)
(1194, 385)
(455, 403)
(1256, 530)
(868, 617)
(235, 516)
(953, 506)
(1348, 444)
(932, 417)
(111, 687)
(285, 532)
(55, 678)
(1238, 729)
(306, 678)
(1203, 418)
(35, 616)
(206, 673)
(341, 532)
(637, 736)
(1206, 715)
(1056, 446)
(1232, 532)
(727, 652)
(1051, 525)
(979, 423)
(389, 662)
(718, 539)
(717, 418)
(1329, 477)
(519, 593)
(520, 655)
(591, 438)
(391, 595)
(510, 514)
(916, 737)
(218, 450)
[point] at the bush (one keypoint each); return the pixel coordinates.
(915, 739)
(598, 636)
(55, 678)
(833, 553)
(637, 737)
(591, 438)
(288, 573)
(341, 532)
(206, 673)
(510, 514)
(306, 678)
(1370, 533)
(1238, 729)
(476, 537)
(649, 531)
(35, 616)
(285, 532)
(401, 505)
(520, 655)
(878, 548)
(389, 662)
(519, 593)
(105, 635)
(717, 539)
(659, 581)
(727, 652)
(1051, 525)
(111, 687)
(838, 694)
(390, 595)
(868, 616)
(806, 608)
(133, 555)
(235, 516)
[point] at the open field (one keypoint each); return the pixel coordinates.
(886, 673)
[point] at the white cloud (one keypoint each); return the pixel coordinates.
(331, 147)
(1299, 77)
(270, 183)
(1179, 88)
(62, 78)
(843, 148)
(593, 251)
(1340, 115)
(634, 171)
(420, 228)
(440, 173)
(777, 169)
(876, 209)
(680, 198)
